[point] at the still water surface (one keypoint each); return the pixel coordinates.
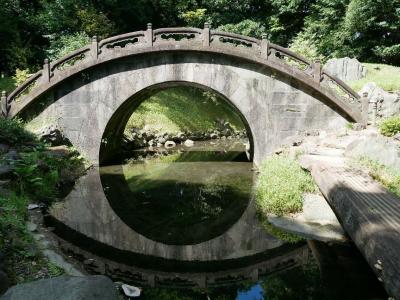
(184, 225)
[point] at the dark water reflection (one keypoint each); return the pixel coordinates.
(179, 199)
(187, 220)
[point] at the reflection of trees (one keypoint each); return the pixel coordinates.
(179, 203)
(299, 283)
(209, 202)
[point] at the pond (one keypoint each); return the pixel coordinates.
(182, 224)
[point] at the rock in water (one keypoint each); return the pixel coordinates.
(65, 288)
(169, 144)
(33, 206)
(131, 291)
(188, 143)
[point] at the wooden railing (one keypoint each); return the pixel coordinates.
(194, 37)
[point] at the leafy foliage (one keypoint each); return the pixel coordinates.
(38, 176)
(7, 84)
(67, 43)
(371, 30)
(305, 47)
(245, 27)
(20, 76)
(365, 29)
(13, 133)
(390, 126)
(195, 18)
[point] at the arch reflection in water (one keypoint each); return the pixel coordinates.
(183, 198)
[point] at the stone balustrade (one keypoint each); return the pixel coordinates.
(204, 39)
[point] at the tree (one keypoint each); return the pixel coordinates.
(323, 26)
(21, 41)
(372, 30)
(69, 16)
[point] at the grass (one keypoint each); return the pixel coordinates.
(280, 188)
(37, 177)
(182, 109)
(390, 126)
(7, 84)
(281, 185)
(385, 76)
(24, 262)
(388, 177)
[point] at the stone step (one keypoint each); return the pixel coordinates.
(307, 161)
(316, 222)
(326, 151)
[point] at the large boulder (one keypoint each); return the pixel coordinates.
(64, 288)
(372, 145)
(346, 69)
(388, 104)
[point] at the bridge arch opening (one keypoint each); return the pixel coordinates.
(117, 126)
(178, 190)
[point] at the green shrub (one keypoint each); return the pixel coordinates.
(38, 173)
(390, 126)
(194, 18)
(305, 47)
(13, 133)
(245, 27)
(65, 44)
(281, 184)
(7, 84)
(21, 76)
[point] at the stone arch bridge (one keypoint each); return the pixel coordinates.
(91, 92)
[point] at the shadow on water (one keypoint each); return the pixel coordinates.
(179, 202)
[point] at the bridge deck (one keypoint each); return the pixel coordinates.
(369, 213)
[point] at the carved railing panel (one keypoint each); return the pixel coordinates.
(25, 88)
(193, 37)
(290, 58)
(123, 41)
(341, 89)
(69, 60)
(219, 38)
(168, 35)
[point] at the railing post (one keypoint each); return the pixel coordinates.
(3, 104)
(206, 34)
(364, 108)
(46, 71)
(317, 71)
(94, 48)
(149, 34)
(264, 46)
